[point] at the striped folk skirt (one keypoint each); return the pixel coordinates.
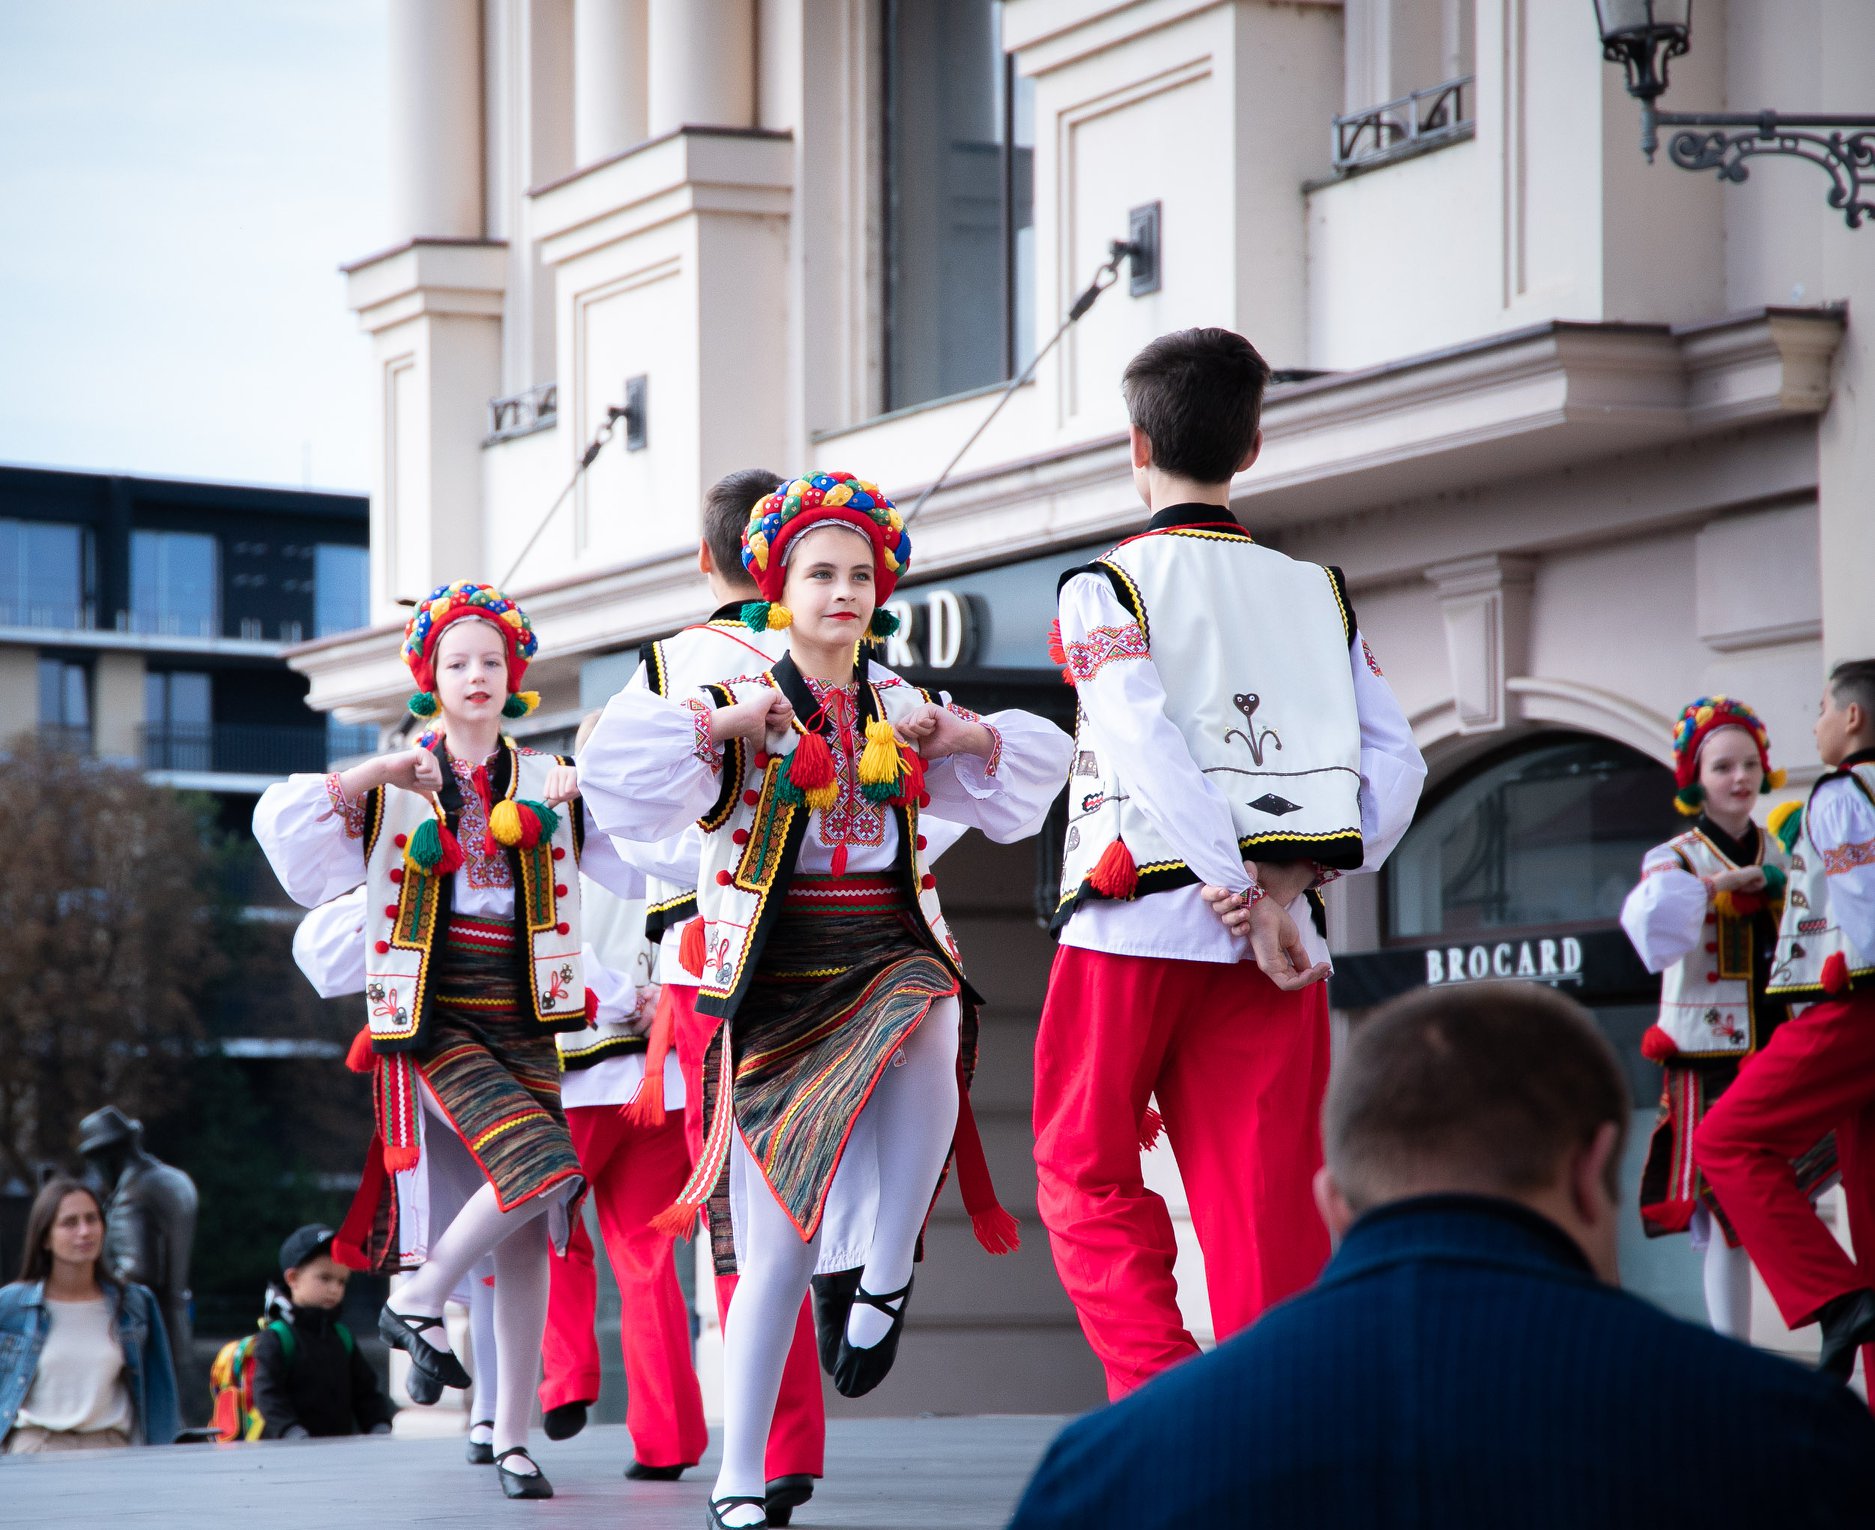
(494, 1072)
(842, 982)
(1672, 1187)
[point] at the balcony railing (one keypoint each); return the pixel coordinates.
(65, 738)
(248, 749)
(1394, 129)
(521, 414)
(57, 615)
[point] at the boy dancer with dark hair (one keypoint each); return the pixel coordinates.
(1237, 748)
(1818, 1071)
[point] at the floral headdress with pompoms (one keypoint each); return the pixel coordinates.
(455, 602)
(778, 518)
(1700, 720)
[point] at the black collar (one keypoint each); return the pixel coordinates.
(793, 684)
(1740, 852)
(1217, 516)
(730, 611)
(1859, 757)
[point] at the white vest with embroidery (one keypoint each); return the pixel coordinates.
(1705, 997)
(747, 852)
(718, 649)
(1808, 935)
(404, 909)
(1252, 649)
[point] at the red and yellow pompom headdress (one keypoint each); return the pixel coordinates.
(1700, 720)
(455, 602)
(839, 498)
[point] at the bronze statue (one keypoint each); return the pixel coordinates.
(149, 1217)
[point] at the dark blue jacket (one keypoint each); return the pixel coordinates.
(1459, 1365)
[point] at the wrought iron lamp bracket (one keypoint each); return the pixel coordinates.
(1843, 147)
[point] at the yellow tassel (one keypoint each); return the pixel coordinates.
(820, 798)
(1723, 904)
(1781, 815)
(779, 616)
(1686, 809)
(529, 699)
(504, 822)
(880, 762)
(1776, 779)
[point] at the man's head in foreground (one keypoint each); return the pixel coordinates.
(1499, 1089)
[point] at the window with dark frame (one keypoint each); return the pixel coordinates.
(65, 703)
(959, 239)
(47, 577)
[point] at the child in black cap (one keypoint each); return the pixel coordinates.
(309, 1379)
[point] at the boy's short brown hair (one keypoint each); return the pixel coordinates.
(1853, 680)
(726, 508)
(1197, 396)
(1490, 1085)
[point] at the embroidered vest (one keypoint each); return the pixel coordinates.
(1254, 649)
(752, 836)
(717, 649)
(1706, 1002)
(614, 929)
(1808, 936)
(407, 910)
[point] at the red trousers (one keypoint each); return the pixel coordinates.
(1816, 1073)
(797, 1439)
(634, 1172)
(1239, 1068)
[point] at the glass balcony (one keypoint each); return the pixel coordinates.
(249, 749)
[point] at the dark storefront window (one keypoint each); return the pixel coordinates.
(175, 584)
(1551, 833)
(45, 575)
(959, 202)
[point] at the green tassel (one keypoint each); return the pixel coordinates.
(1687, 799)
(426, 845)
(884, 623)
(514, 706)
(754, 615)
(549, 820)
(1775, 881)
(879, 791)
(423, 704)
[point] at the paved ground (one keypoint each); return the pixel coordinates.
(883, 1474)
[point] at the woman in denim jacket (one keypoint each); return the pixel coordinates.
(84, 1359)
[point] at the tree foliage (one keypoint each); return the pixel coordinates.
(110, 913)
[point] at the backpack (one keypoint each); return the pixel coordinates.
(231, 1378)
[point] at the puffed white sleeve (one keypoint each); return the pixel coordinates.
(673, 860)
(1665, 914)
(312, 836)
(329, 946)
(1393, 771)
(1007, 794)
(649, 767)
(1841, 824)
(601, 861)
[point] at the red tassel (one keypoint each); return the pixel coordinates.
(530, 825)
(1657, 1046)
(1114, 874)
(451, 860)
(994, 1227)
(911, 779)
(592, 1007)
(677, 1221)
(1836, 975)
(839, 859)
(397, 1159)
(692, 948)
(359, 1057)
(1151, 1126)
(647, 1106)
(1055, 651)
(811, 766)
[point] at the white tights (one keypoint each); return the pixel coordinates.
(482, 1341)
(915, 1115)
(1728, 1287)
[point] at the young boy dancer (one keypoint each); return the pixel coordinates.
(473, 965)
(1818, 1073)
(1235, 734)
(1705, 915)
(832, 1090)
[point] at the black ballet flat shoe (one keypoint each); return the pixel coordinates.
(403, 1331)
(639, 1472)
(1848, 1323)
(480, 1452)
(713, 1515)
(522, 1484)
(833, 1299)
(565, 1421)
(785, 1495)
(857, 1371)
(423, 1390)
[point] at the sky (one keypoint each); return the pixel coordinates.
(180, 183)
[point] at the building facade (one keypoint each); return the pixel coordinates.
(1583, 432)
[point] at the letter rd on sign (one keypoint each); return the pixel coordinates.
(1547, 961)
(938, 632)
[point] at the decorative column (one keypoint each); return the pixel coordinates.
(609, 78)
(1486, 605)
(436, 119)
(702, 64)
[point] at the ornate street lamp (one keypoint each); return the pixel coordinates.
(1643, 35)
